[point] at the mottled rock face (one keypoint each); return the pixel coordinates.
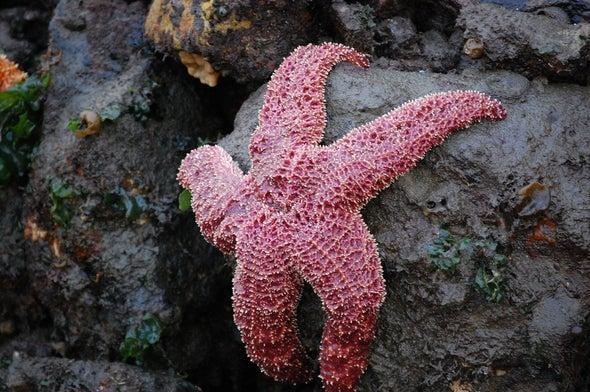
(227, 34)
(104, 235)
(58, 374)
(435, 328)
(23, 30)
(541, 44)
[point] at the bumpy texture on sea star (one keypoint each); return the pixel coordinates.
(10, 74)
(295, 216)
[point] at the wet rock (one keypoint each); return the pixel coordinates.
(436, 328)
(555, 13)
(12, 263)
(426, 14)
(18, 306)
(23, 32)
(241, 39)
(398, 37)
(55, 374)
(408, 50)
(106, 242)
(534, 45)
(576, 11)
(553, 319)
(438, 52)
(31, 344)
(355, 24)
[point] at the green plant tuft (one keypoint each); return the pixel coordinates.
(111, 112)
(490, 278)
(74, 124)
(447, 250)
(184, 200)
(131, 206)
(61, 210)
(140, 338)
(20, 116)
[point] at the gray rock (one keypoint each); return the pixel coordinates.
(435, 329)
(127, 250)
(23, 31)
(531, 44)
(355, 23)
(12, 262)
(61, 375)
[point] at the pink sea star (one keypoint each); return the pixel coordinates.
(295, 216)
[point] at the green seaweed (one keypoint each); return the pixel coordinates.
(111, 112)
(20, 117)
(131, 206)
(447, 250)
(490, 278)
(74, 124)
(184, 200)
(140, 338)
(61, 209)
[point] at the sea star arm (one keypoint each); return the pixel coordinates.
(266, 291)
(339, 259)
(214, 180)
(293, 112)
(371, 156)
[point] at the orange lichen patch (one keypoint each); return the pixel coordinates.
(209, 24)
(10, 74)
(173, 26)
(544, 231)
(199, 68)
(535, 197)
(460, 386)
(90, 124)
(232, 24)
(33, 232)
(158, 24)
(187, 20)
(160, 28)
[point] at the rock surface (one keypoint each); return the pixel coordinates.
(245, 39)
(57, 375)
(435, 329)
(23, 30)
(106, 243)
(532, 44)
